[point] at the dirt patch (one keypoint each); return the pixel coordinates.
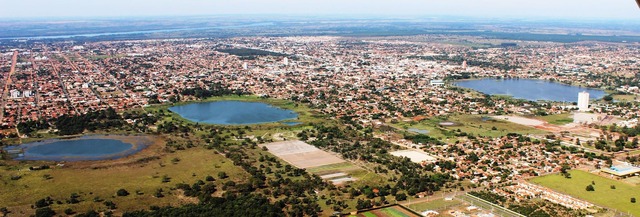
(301, 154)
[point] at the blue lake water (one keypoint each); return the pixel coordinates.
(530, 89)
(83, 148)
(232, 112)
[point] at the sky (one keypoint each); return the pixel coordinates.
(563, 9)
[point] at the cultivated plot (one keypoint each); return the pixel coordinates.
(301, 154)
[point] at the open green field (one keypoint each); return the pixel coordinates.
(392, 211)
(625, 98)
(618, 198)
(474, 124)
(333, 168)
(559, 119)
(436, 205)
(471, 124)
(192, 165)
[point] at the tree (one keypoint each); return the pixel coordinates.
(45, 212)
(121, 192)
(633, 200)
(401, 196)
(590, 188)
(158, 193)
(222, 175)
(607, 98)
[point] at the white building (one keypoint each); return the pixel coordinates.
(27, 93)
(15, 93)
(286, 61)
(583, 101)
(436, 83)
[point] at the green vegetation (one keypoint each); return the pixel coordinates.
(245, 205)
(624, 98)
(98, 184)
(436, 205)
(474, 125)
(333, 168)
(559, 119)
(603, 194)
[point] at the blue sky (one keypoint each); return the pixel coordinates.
(572, 9)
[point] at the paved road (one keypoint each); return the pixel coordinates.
(14, 60)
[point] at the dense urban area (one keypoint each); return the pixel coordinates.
(383, 127)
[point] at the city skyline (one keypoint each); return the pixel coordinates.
(569, 9)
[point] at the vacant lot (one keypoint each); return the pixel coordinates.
(415, 156)
(618, 198)
(477, 125)
(437, 205)
(472, 124)
(301, 154)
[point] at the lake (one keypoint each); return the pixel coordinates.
(530, 89)
(81, 148)
(233, 112)
(416, 130)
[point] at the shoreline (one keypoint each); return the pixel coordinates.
(138, 143)
(455, 83)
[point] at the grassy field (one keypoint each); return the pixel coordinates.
(436, 205)
(472, 124)
(103, 183)
(475, 125)
(618, 198)
(560, 119)
(333, 168)
(392, 211)
(625, 98)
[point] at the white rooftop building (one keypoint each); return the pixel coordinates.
(583, 101)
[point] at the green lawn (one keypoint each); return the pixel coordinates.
(559, 119)
(619, 198)
(625, 98)
(474, 124)
(436, 205)
(333, 168)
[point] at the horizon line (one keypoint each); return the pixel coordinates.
(326, 15)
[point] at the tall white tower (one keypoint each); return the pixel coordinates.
(286, 61)
(583, 101)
